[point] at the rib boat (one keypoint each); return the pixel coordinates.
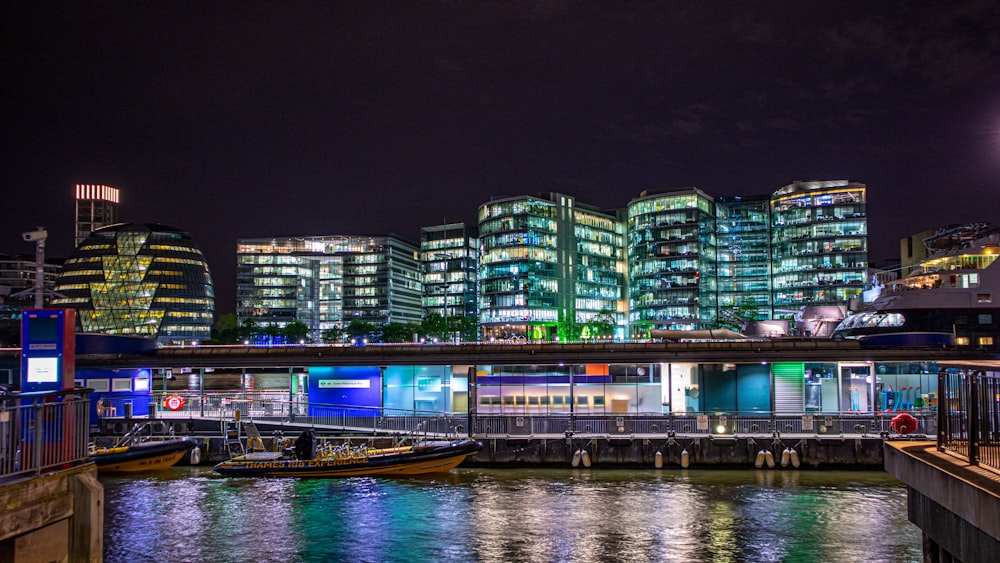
(351, 461)
(153, 455)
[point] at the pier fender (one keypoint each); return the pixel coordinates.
(769, 457)
(585, 458)
(794, 454)
(904, 423)
(658, 460)
(195, 455)
(759, 462)
(685, 458)
(786, 458)
(576, 458)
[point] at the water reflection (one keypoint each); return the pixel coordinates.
(192, 514)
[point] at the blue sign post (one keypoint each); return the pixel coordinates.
(48, 349)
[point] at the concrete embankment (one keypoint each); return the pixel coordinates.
(861, 452)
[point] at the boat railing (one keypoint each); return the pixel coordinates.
(43, 431)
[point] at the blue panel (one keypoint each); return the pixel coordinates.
(349, 385)
(753, 388)
(719, 388)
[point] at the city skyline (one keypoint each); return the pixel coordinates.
(316, 119)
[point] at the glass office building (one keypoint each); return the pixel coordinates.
(819, 244)
(327, 281)
(547, 266)
(139, 279)
(449, 255)
(743, 227)
(672, 271)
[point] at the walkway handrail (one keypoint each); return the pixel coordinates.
(969, 416)
(43, 431)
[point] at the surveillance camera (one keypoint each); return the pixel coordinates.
(35, 236)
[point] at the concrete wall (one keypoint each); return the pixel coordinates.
(55, 517)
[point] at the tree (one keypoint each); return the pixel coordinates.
(333, 335)
(225, 330)
(602, 325)
(399, 332)
(434, 326)
(358, 329)
(295, 332)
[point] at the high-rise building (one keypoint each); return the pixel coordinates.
(139, 279)
(449, 255)
(819, 244)
(325, 282)
(96, 206)
(672, 271)
(743, 227)
(548, 266)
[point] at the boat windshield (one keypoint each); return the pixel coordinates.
(872, 320)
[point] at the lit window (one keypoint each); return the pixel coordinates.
(962, 341)
(983, 298)
(986, 341)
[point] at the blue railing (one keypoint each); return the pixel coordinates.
(45, 431)
(969, 416)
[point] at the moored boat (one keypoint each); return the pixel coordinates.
(144, 456)
(348, 461)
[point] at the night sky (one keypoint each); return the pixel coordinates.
(255, 119)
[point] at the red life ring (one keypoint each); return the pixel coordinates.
(174, 402)
(904, 423)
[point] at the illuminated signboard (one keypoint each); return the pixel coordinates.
(48, 349)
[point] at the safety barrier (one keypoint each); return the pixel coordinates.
(43, 431)
(969, 416)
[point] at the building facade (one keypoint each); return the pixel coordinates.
(819, 244)
(325, 282)
(139, 279)
(743, 227)
(449, 255)
(96, 206)
(548, 266)
(672, 261)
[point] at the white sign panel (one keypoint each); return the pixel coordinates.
(345, 383)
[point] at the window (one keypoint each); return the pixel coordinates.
(983, 298)
(962, 341)
(986, 341)
(985, 319)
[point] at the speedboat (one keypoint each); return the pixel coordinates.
(136, 452)
(154, 455)
(350, 461)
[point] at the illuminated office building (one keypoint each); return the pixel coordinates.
(672, 271)
(743, 228)
(819, 244)
(449, 255)
(96, 206)
(326, 282)
(548, 267)
(139, 279)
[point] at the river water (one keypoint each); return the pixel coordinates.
(511, 515)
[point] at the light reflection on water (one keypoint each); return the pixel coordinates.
(509, 515)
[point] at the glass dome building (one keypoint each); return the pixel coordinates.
(139, 279)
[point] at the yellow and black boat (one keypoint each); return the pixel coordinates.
(146, 456)
(350, 461)
(137, 452)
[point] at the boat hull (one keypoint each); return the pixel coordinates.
(418, 460)
(147, 456)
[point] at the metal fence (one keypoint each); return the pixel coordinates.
(969, 416)
(705, 424)
(42, 432)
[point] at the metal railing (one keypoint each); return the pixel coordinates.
(43, 431)
(969, 416)
(701, 424)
